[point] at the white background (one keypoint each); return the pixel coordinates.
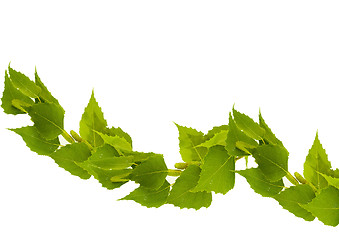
(154, 62)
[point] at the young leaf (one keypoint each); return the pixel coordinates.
(215, 130)
(106, 157)
(48, 118)
(292, 198)
(260, 184)
(35, 141)
(181, 194)
(218, 138)
(317, 163)
(331, 180)
(12, 93)
(68, 156)
(245, 123)
(272, 161)
(217, 173)
(150, 173)
(92, 120)
(120, 133)
(149, 197)
(236, 135)
(44, 94)
(189, 139)
(268, 136)
(325, 206)
(24, 84)
(116, 141)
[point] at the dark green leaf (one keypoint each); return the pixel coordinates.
(189, 139)
(260, 184)
(217, 173)
(236, 135)
(325, 206)
(292, 198)
(68, 156)
(24, 84)
(317, 163)
(12, 93)
(150, 173)
(35, 141)
(92, 120)
(150, 197)
(181, 194)
(247, 124)
(272, 161)
(48, 118)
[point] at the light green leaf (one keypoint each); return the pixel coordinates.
(68, 156)
(181, 194)
(331, 180)
(189, 139)
(317, 163)
(92, 120)
(11, 94)
(106, 157)
(215, 130)
(120, 133)
(48, 118)
(35, 141)
(247, 124)
(325, 206)
(260, 184)
(117, 142)
(24, 84)
(45, 95)
(268, 136)
(272, 161)
(217, 173)
(293, 198)
(149, 197)
(236, 135)
(150, 173)
(218, 138)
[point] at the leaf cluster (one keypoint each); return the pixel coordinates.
(208, 160)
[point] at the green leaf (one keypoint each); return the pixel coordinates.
(106, 157)
(48, 118)
(218, 138)
(325, 206)
(24, 84)
(215, 130)
(35, 141)
(331, 180)
(217, 173)
(117, 142)
(120, 133)
(189, 139)
(68, 156)
(92, 120)
(236, 135)
(181, 194)
(150, 173)
(293, 198)
(272, 161)
(260, 184)
(12, 93)
(44, 94)
(317, 163)
(268, 136)
(149, 197)
(247, 124)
